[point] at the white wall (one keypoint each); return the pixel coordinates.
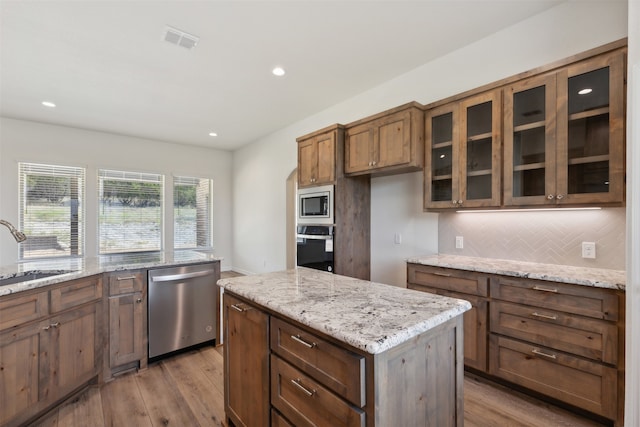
(632, 409)
(25, 141)
(260, 169)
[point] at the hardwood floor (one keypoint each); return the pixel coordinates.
(187, 390)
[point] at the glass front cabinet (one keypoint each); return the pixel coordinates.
(564, 136)
(462, 155)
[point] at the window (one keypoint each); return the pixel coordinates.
(51, 205)
(192, 212)
(130, 211)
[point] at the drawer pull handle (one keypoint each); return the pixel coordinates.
(119, 279)
(240, 307)
(540, 353)
(540, 288)
(306, 391)
(544, 316)
(435, 273)
(299, 339)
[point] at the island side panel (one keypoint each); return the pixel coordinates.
(420, 382)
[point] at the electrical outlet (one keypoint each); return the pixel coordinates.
(459, 242)
(588, 250)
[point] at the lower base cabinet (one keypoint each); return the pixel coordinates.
(281, 373)
(246, 364)
(45, 360)
(558, 340)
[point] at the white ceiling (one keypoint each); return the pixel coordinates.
(106, 66)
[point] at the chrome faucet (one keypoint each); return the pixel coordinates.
(18, 235)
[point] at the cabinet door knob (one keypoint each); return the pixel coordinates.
(550, 196)
(454, 202)
(559, 196)
(374, 163)
(139, 300)
(55, 325)
(459, 202)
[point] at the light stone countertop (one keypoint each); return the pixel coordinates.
(594, 277)
(76, 268)
(370, 316)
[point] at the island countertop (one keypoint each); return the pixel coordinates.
(76, 268)
(370, 316)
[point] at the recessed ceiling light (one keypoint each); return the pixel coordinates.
(585, 91)
(213, 134)
(278, 71)
(48, 104)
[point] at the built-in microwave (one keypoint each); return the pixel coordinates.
(315, 205)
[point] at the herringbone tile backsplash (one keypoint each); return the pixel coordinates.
(552, 237)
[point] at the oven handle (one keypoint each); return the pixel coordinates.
(172, 277)
(314, 236)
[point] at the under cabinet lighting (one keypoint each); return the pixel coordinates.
(585, 91)
(48, 104)
(530, 210)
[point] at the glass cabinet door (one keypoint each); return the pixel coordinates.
(480, 157)
(441, 154)
(591, 131)
(530, 142)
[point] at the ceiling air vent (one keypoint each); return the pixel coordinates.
(180, 38)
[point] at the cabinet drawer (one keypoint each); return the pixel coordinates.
(576, 299)
(22, 309)
(338, 369)
(278, 420)
(595, 339)
(585, 384)
(76, 293)
(126, 282)
(467, 282)
(306, 402)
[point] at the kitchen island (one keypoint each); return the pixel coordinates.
(304, 347)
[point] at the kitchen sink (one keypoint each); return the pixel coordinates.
(31, 275)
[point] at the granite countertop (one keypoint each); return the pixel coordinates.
(62, 270)
(370, 316)
(594, 277)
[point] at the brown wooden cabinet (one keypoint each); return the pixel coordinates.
(469, 286)
(318, 155)
(127, 320)
(389, 142)
(560, 340)
(463, 153)
(246, 363)
(50, 345)
(313, 379)
(564, 135)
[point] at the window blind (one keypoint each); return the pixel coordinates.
(192, 212)
(51, 204)
(130, 211)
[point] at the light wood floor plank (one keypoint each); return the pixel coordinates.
(213, 366)
(204, 399)
(165, 404)
(123, 404)
(84, 410)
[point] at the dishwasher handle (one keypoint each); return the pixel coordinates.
(182, 276)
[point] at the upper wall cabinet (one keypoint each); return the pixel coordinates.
(318, 155)
(564, 135)
(389, 142)
(463, 153)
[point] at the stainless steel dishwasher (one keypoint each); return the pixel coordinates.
(182, 307)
